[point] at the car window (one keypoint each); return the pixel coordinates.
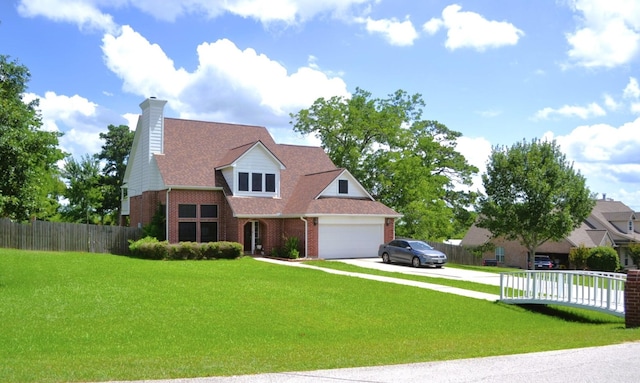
(419, 245)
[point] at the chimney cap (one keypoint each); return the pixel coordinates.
(153, 97)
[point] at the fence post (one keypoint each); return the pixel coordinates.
(632, 299)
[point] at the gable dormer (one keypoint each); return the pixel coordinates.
(253, 171)
(345, 186)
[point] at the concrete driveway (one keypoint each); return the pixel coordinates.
(445, 272)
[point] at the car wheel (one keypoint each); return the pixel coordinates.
(385, 258)
(415, 262)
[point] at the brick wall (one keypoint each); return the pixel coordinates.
(197, 197)
(389, 229)
(632, 299)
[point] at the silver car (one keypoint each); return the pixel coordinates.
(411, 251)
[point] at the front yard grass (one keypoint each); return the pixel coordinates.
(91, 317)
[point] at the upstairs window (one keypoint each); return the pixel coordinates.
(256, 182)
(243, 181)
(270, 183)
(630, 227)
(343, 187)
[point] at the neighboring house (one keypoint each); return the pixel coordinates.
(611, 223)
(227, 182)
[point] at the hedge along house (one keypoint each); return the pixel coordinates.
(611, 223)
(227, 182)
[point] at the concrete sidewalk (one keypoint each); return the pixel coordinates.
(399, 281)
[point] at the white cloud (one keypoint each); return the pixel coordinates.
(632, 90)
(229, 84)
(607, 156)
(584, 112)
(400, 33)
(477, 151)
(610, 102)
(85, 14)
(472, 30)
(608, 35)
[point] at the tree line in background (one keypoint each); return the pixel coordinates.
(39, 180)
(410, 164)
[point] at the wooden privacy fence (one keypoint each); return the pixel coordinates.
(457, 254)
(60, 236)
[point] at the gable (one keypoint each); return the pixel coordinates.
(344, 186)
(254, 172)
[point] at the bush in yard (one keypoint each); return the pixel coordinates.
(578, 257)
(229, 250)
(603, 258)
(149, 248)
(634, 253)
(185, 251)
(291, 248)
(211, 250)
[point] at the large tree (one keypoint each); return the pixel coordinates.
(533, 195)
(28, 155)
(84, 190)
(115, 154)
(408, 163)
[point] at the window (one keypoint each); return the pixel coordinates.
(243, 181)
(500, 254)
(208, 211)
(256, 182)
(343, 186)
(270, 182)
(186, 231)
(630, 227)
(208, 231)
(187, 211)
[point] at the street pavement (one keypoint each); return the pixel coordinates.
(616, 363)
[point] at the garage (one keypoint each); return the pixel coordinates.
(349, 237)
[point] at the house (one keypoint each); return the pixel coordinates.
(611, 223)
(227, 182)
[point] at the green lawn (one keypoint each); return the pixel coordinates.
(88, 317)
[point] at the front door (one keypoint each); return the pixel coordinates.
(251, 234)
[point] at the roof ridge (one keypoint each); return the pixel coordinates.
(216, 122)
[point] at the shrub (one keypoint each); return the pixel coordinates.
(149, 248)
(603, 258)
(291, 248)
(210, 250)
(578, 257)
(634, 253)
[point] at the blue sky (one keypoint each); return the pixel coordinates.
(498, 71)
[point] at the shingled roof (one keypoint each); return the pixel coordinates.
(193, 150)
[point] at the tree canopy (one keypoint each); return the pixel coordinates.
(533, 194)
(84, 191)
(115, 154)
(29, 154)
(405, 162)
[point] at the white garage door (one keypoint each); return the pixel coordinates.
(348, 237)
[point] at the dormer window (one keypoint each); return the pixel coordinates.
(630, 227)
(257, 182)
(343, 187)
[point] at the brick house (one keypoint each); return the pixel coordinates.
(611, 223)
(227, 182)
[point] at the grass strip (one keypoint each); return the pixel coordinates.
(69, 317)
